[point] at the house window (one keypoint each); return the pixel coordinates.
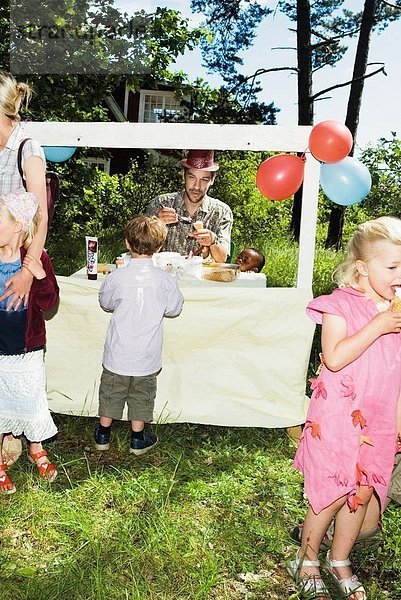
(158, 106)
(102, 164)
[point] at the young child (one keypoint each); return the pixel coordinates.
(139, 296)
(250, 260)
(347, 448)
(23, 400)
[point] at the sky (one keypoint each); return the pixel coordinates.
(381, 103)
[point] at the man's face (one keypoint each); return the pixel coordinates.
(197, 184)
(248, 260)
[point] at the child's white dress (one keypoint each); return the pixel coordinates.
(23, 400)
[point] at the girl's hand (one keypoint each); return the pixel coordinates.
(387, 322)
(34, 266)
(17, 288)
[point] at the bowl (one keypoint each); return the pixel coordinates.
(223, 272)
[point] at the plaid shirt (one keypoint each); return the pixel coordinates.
(215, 215)
(10, 180)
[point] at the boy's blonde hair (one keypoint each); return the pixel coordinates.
(360, 246)
(145, 234)
(29, 234)
(12, 94)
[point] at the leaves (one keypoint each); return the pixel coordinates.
(354, 502)
(358, 418)
(365, 439)
(318, 385)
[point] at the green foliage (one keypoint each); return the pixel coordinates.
(383, 162)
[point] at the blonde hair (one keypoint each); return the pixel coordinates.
(28, 235)
(12, 95)
(145, 234)
(360, 247)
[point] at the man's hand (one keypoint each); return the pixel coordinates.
(204, 237)
(17, 289)
(167, 215)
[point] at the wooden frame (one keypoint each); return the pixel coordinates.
(161, 136)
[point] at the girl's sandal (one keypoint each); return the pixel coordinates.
(6, 485)
(311, 587)
(46, 469)
(349, 587)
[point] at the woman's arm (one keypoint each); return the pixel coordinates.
(17, 288)
(36, 183)
(339, 350)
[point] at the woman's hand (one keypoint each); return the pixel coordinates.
(34, 266)
(17, 289)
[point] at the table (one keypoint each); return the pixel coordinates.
(236, 356)
(242, 280)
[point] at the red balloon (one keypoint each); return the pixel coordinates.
(280, 176)
(330, 141)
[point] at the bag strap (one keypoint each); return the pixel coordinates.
(19, 160)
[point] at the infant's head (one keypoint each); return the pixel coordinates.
(250, 260)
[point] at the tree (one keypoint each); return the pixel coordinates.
(320, 29)
(93, 68)
(374, 13)
(232, 27)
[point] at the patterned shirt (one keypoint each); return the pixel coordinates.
(10, 179)
(215, 215)
(139, 296)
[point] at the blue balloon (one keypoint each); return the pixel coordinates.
(58, 153)
(345, 182)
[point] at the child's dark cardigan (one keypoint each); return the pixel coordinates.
(44, 295)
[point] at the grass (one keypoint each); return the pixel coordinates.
(205, 515)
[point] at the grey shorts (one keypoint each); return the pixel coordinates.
(138, 392)
(394, 491)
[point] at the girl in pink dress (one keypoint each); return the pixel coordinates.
(347, 448)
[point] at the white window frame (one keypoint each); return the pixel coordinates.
(160, 93)
(97, 160)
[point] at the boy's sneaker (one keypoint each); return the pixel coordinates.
(102, 439)
(141, 446)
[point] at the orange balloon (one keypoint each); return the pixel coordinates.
(280, 176)
(330, 141)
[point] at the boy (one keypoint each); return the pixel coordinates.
(139, 296)
(250, 260)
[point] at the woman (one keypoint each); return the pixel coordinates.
(12, 95)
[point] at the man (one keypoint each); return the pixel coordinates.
(196, 222)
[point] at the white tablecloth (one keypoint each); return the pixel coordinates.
(236, 356)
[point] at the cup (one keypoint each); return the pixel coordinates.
(193, 266)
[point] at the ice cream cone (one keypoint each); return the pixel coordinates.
(396, 303)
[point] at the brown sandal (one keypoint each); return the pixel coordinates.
(46, 470)
(6, 481)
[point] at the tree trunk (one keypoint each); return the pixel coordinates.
(305, 105)
(335, 230)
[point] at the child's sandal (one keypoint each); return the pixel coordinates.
(46, 469)
(349, 586)
(6, 485)
(311, 587)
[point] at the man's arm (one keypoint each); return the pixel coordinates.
(218, 246)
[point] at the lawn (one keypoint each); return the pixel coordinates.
(205, 515)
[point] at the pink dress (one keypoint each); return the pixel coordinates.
(350, 431)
